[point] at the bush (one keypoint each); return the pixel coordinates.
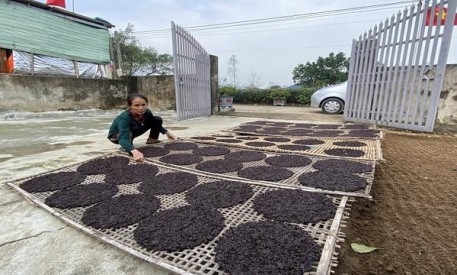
(227, 91)
(264, 96)
(278, 93)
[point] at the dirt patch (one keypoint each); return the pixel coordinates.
(413, 215)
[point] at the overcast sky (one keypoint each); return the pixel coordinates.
(266, 53)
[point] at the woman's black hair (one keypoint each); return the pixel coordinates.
(131, 97)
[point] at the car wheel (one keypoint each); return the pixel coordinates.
(332, 106)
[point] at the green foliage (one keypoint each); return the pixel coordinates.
(361, 248)
(278, 93)
(265, 96)
(227, 90)
(304, 96)
(325, 71)
(137, 60)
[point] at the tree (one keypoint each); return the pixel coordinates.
(232, 69)
(253, 81)
(137, 60)
(325, 71)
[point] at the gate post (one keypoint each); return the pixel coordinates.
(441, 67)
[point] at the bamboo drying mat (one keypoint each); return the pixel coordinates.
(372, 149)
(291, 181)
(200, 259)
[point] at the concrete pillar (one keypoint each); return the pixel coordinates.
(214, 74)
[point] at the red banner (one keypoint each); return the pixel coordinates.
(435, 16)
(59, 3)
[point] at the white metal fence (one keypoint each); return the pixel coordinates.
(397, 68)
(192, 75)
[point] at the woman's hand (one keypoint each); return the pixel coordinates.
(170, 135)
(137, 155)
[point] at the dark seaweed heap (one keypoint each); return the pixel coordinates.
(219, 166)
(132, 174)
(229, 140)
(345, 152)
(169, 183)
(277, 139)
(211, 151)
(303, 125)
(350, 143)
(299, 132)
(342, 166)
(52, 182)
(363, 133)
(81, 195)
(266, 248)
(327, 126)
(327, 133)
(356, 126)
(293, 147)
(102, 165)
(204, 138)
(295, 206)
(179, 228)
(153, 151)
(180, 146)
(270, 132)
(219, 194)
(335, 181)
(245, 156)
(120, 211)
(288, 161)
(266, 173)
(308, 141)
(181, 159)
(248, 138)
(259, 144)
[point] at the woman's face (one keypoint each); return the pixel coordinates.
(138, 106)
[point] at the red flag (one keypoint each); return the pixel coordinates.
(59, 3)
(435, 17)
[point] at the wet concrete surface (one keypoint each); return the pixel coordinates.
(32, 241)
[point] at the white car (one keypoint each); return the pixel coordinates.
(330, 99)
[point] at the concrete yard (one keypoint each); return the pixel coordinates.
(32, 241)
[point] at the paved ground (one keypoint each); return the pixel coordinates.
(34, 242)
(412, 217)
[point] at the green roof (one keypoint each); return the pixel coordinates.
(36, 30)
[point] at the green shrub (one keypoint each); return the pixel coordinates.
(278, 93)
(227, 91)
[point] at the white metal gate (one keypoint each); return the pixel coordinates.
(192, 75)
(393, 80)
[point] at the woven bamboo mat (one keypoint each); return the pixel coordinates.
(330, 131)
(289, 182)
(200, 259)
(371, 149)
